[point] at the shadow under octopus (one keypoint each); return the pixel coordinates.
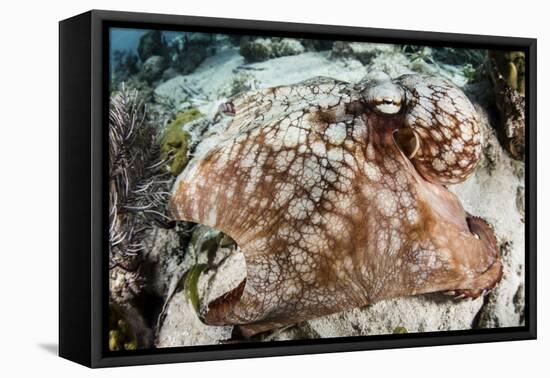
(336, 195)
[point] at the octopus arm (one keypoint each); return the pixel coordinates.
(272, 105)
(279, 190)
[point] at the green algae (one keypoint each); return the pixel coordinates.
(174, 144)
(121, 335)
(190, 285)
(511, 65)
(400, 330)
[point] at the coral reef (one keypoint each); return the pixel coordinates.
(127, 329)
(363, 52)
(150, 44)
(125, 66)
(317, 44)
(261, 49)
(156, 58)
(189, 51)
(121, 335)
(508, 76)
(153, 68)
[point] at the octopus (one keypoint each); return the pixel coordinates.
(336, 194)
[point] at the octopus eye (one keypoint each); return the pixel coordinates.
(407, 140)
(385, 97)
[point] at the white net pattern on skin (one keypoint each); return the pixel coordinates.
(327, 210)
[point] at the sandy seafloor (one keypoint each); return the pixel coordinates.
(494, 192)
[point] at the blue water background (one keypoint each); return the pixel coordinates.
(124, 39)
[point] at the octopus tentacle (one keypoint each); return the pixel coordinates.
(490, 277)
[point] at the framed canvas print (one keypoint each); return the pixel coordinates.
(233, 188)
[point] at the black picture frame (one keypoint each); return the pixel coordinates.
(83, 100)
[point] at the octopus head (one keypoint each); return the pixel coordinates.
(439, 131)
(385, 97)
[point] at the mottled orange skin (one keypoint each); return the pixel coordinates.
(329, 212)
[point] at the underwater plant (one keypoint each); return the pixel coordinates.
(174, 142)
(138, 184)
(127, 329)
(507, 71)
(121, 334)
